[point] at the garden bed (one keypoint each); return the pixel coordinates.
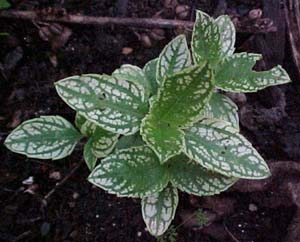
(78, 211)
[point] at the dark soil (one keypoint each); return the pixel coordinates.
(78, 211)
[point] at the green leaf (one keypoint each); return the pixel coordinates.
(206, 40)
(178, 104)
(79, 120)
(235, 74)
(217, 146)
(47, 137)
(159, 210)
(88, 128)
(166, 141)
(103, 142)
(126, 142)
(115, 105)
(133, 74)
(150, 73)
(4, 4)
(190, 177)
(174, 58)
(222, 108)
(183, 95)
(134, 172)
(88, 155)
(227, 34)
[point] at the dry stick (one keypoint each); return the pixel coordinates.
(63, 181)
(107, 21)
(230, 234)
(22, 236)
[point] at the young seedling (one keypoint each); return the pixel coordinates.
(161, 128)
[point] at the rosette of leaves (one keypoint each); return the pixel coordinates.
(167, 126)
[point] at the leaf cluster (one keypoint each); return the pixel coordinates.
(161, 128)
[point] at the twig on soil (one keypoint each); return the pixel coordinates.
(63, 181)
(22, 236)
(128, 22)
(230, 234)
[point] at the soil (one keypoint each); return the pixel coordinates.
(77, 211)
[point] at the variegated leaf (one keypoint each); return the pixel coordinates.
(126, 142)
(134, 172)
(133, 74)
(227, 34)
(159, 210)
(235, 74)
(222, 108)
(115, 105)
(217, 146)
(183, 95)
(103, 142)
(88, 128)
(47, 137)
(190, 177)
(174, 58)
(151, 100)
(150, 73)
(178, 104)
(79, 120)
(88, 155)
(166, 141)
(206, 40)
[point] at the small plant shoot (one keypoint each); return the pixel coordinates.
(163, 128)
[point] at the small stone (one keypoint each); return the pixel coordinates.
(255, 14)
(182, 11)
(28, 181)
(146, 41)
(127, 50)
(157, 34)
(53, 60)
(75, 195)
(56, 175)
(139, 234)
(32, 189)
(252, 207)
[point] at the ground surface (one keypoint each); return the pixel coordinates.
(77, 211)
